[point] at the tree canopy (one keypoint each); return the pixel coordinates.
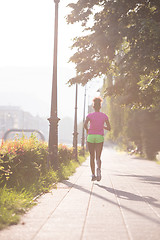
(120, 38)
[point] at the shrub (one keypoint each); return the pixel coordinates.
(24, 175)
(22, 161)
(65, 154)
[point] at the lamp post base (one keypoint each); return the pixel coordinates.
(53, 142)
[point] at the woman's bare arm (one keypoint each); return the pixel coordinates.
(108, 127)
(86, 124)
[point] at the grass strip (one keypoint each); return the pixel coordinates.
(15, 202)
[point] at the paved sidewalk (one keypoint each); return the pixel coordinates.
(124, 205)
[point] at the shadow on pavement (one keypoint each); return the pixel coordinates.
(149, 179)
(78, 187)
(131, 196)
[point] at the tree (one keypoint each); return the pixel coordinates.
(123, 41)
(120, 43)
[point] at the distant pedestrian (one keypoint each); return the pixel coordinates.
(98, 122)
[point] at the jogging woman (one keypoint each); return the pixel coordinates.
(98, 122)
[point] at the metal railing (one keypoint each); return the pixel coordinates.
(23, 130)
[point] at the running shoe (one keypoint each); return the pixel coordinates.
(94, 178)
(98, 174)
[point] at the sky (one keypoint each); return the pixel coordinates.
(26, 58)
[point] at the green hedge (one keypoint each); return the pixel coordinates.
(23, 161)
(24, 175)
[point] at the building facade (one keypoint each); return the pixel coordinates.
(12, 117)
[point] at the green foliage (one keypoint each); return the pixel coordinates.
(123, 41)
(22, 161)
(65, 154)
(81, 151)
(67, 170)
(134, 129)
(24, 175)
(12, 204)
(44, 183)
(67, 164)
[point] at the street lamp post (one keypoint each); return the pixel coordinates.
(83, 131)
(53, 120)
(75, 134)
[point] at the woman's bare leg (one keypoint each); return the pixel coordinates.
(91, 148)
(99, 147)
